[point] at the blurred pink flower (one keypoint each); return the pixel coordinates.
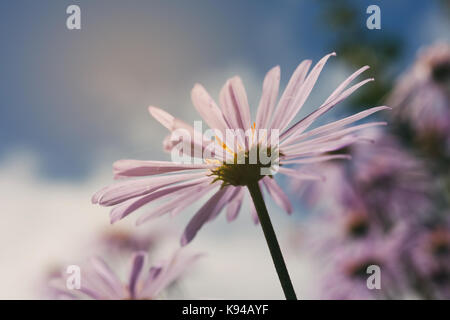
(421, 97)
(296, 145)
(383, 180)
(123, 241)
(430, 261)
(347, 269)
(378, 204)
(100, 282)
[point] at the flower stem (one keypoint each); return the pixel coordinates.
(272, 242)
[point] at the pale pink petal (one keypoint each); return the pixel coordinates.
(187, 197)
(108, 277)
(269, 95)
(232, 193)
(314, 149)
(309, 160)
(338, 124)
(289, 93)
(207, 108)
(136, 268)
(302, 94)
(304, 123)
(167, 273)
(233, 99)
(345, 83)
(124, 190)
(299, 174)
(193, 146)
(322, 148)
(121, 211)
(329, 137)
(234, 206)
(214, 205)
(277, 194)
(137, 168)
(253, 213)
(169, 121)
(90, 292)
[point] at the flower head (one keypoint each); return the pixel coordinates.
(421, 97)
(349, 268)
(100, 282)
(383, 180)
(430, 257)
(227, 163)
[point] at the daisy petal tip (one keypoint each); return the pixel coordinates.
(276, 69)
(184, 241)
(94, 199)
(153, 110)
(113, 218)
(197, 87)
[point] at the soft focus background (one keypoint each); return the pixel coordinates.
(73, 102)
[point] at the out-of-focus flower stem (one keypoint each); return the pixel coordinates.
(272, 242)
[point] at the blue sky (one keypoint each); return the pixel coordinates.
(70, 95)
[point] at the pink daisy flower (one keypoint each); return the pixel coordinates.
(186, 182)
(422, 95)
(100, 282)
(241, 163)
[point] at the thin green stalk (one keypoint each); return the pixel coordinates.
(272, 242)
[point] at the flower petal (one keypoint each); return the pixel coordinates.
(340, 123)
(345, 83)
(234, 206)
(179, 202)
(169, 121)
(301, 94)
(207, 108)
(319, 148)
(253, 212)
(304, 123)
(300, 175)
(317, 159)
(213, 206)
(288, 96)
(162, 276)
(108, 277)
(277, 194)
(233, 100)
(137, 168)
(269, 95)
(312, 143)
(138, 263)
(121, 211)
(124, 190)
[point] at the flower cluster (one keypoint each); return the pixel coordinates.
(388, 206)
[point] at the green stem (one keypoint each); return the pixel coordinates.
(272, 242)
